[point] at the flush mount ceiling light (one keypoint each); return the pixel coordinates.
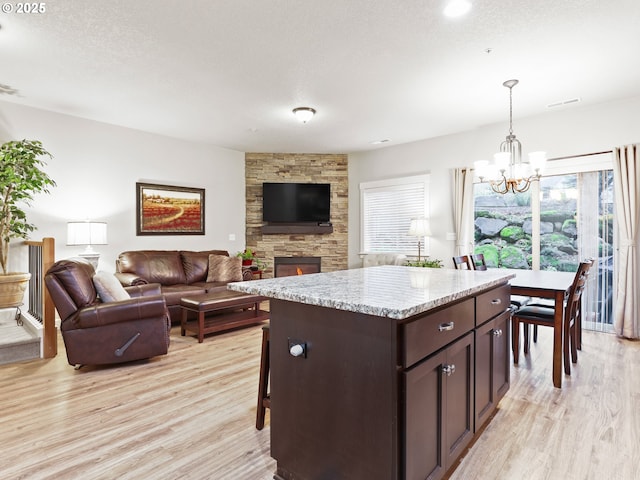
(304, 114)
(456, 8)
(509, 173)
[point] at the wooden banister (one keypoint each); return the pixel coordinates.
(41, 257)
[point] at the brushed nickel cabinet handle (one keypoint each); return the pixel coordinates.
(497, 332)
(497, 301)
(443, 327)
(449, 369)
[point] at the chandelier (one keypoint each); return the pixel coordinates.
(509, 173)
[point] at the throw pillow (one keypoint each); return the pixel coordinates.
(109, 288)
(224, 269)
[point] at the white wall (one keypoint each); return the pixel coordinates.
(96, 167)
(570, 131)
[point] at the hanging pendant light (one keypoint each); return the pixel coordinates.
(509, 173)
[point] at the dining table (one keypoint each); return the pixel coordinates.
(547, 284)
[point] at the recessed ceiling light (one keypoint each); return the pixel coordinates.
(456, 8)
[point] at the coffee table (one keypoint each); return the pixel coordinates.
(218, 311)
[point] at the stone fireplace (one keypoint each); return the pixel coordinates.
(303, 168)
(288, 266)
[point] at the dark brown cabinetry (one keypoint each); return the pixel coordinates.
(438, 410)
(492, 342)
(376, 398)
(493, 364)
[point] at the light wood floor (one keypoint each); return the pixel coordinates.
(191, 415)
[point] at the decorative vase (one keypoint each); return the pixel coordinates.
(247, 262)
(12, 288)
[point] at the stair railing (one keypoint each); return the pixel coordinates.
(41, 257)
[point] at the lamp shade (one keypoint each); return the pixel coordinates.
(419, 227)
(86, 233)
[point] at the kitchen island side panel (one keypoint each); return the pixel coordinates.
(334, 411)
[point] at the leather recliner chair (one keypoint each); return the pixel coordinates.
(97, 333)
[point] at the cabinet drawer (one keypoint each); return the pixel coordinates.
(429, 333)
(492, 303)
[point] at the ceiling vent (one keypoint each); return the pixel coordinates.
(564, 102)
(7, 90)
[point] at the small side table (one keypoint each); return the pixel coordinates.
(255, 273)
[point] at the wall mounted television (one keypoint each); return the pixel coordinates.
(296, 202)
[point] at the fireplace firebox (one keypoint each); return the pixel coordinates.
(288, 266)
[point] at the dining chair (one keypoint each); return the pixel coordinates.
(547, 302)
(477, 261)
(542, 315)
(462, 262)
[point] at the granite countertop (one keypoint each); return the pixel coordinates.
(396, 292)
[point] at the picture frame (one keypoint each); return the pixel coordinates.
(169, 210)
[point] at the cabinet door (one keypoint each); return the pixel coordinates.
(502, 356)
(492, 366)
(423, 392)
(438, 414)
(458, 376)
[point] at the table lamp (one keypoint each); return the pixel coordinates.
(419, 228)
(89, 234)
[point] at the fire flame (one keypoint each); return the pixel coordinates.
(298, 271)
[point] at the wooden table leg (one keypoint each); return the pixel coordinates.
(557, 339)
(200, 327)
(515, 339)
(183, 322)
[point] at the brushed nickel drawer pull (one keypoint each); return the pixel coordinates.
(497, 333)
(497, 301)
(449, 369)
(443, 327)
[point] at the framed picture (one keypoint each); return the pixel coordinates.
(167, 210)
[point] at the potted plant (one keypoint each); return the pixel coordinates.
(21, 177)
(426, 263)
(247, 256)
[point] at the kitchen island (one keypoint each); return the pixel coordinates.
(383, 372)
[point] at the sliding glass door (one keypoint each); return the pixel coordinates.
(560, 221)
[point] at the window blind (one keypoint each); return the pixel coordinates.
(387, 209)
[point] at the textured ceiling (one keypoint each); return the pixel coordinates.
(229, 72)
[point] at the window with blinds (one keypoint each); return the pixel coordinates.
(387, 208)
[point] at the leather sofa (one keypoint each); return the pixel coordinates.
(180, 273)
(96, 332)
